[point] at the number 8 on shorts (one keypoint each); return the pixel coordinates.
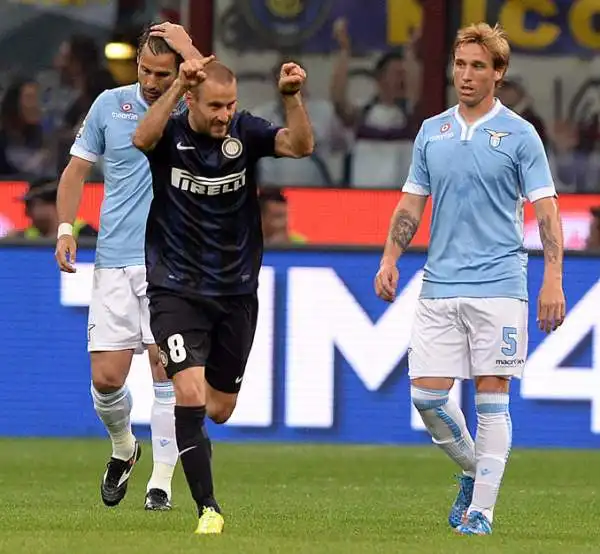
(177, 353)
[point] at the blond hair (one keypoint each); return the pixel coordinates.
(493, 39)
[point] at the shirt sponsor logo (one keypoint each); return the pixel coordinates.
(184, 180)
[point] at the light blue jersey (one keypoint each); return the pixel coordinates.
(478, 177)
(107, 132)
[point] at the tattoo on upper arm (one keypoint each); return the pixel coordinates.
(403, 229)
(550, 242)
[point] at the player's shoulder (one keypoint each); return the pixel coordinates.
(120, 103)
(118, 94)
(437, 123)
(244, 121)
(512, 122)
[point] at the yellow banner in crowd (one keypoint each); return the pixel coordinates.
(551, 26)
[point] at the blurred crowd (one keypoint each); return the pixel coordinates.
(359, 144)
(38, 123)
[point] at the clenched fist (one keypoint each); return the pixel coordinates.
(291, 79)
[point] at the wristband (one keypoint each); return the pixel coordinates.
(65, 229)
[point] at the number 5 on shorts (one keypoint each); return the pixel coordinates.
(177, 351)
(509, 341)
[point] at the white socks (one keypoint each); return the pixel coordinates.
(164, 444)
(492, 447)
(446, 424)
(114, 410)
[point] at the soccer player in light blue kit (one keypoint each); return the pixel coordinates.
(478, 161)
(118, 317)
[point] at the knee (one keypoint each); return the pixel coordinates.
(189, 396)
(189, 389)
(425, 399)
(106, 380)
(492, 384)
(109, 370)
(220, 412)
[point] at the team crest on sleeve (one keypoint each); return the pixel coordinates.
(231, 148)
(496, 137)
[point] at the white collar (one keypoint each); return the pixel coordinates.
(140, 96)
(467, 131)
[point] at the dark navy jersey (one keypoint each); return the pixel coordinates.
(203, 234)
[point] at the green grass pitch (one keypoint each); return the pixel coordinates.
(287, 499)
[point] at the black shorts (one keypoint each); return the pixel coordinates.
(211, 332)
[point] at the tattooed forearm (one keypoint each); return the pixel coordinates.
(403, 228)
(551, 239)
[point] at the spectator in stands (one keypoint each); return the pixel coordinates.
(93, 83)
(577, 153)
(40, 208)
(513, 95)
(24, 150)
(274, 214)
(319, 169)
(77, 58)
(384, 128)
(593, 240)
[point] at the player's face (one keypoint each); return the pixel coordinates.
(213, 106)
(392, 78)
(474, 75)
(42, 214)
(593, 241)
(275, 223)
(155, 73)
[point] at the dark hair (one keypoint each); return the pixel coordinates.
(385, 59)
(10, 111)
(84, 51)
(271, 194)
(157, 45)
(42, 188)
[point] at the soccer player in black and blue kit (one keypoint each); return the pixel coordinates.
(204, 246)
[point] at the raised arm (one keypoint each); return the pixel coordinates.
(178, 39)
(338, 89)
(296, 140)
(152, 126)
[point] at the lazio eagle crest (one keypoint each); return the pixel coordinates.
(496, 137)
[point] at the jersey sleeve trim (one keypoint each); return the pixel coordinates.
(84, 154)
(413, 188)
(543, 192)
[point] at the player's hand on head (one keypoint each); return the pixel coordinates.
(66, 251)
(386, 281)
(175, 35)
(191, 72)
(551, 306)
(291, 78)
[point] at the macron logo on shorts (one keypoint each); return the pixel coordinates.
(185, 181)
